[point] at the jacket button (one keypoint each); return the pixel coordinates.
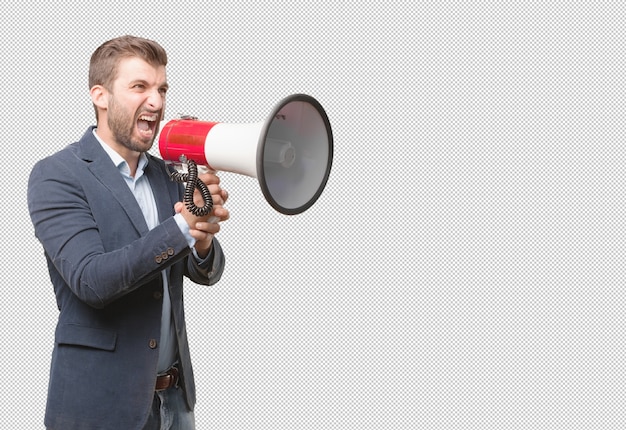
(158, 259)
(170, 251)
(164, 255)
(152, 344)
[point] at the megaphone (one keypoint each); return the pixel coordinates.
(290, 153)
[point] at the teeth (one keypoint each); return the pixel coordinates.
(148, 118)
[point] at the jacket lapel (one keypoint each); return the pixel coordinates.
(107, 173)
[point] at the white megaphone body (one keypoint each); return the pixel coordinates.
(290, 153)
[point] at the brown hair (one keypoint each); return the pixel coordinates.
(105, 59)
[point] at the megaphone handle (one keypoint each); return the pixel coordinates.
(206, 169)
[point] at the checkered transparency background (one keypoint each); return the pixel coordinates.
(464, 267)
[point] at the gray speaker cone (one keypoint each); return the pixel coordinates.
(294, 154)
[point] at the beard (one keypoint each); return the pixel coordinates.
(122, 125)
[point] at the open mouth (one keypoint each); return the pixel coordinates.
(147, 124)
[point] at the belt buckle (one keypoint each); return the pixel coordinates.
(175, 374)
(173, 378)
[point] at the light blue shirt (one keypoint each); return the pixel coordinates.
(141, 189)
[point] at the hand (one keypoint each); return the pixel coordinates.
(204, 228)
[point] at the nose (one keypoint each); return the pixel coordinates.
(155, 100)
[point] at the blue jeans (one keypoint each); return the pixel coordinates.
(169, 411)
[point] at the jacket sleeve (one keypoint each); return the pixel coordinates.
(65, 224)
(209, 270)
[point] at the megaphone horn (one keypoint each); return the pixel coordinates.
(290, 153)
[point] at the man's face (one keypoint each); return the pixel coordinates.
(136, 104)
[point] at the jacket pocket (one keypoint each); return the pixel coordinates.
(73, 334)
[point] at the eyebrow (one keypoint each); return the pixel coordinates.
(164, 85)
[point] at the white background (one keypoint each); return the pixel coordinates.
(464, 267)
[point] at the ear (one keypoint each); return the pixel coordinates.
(99, 97)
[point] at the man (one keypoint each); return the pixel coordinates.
(118, 241)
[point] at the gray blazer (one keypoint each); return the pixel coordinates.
(105, 266)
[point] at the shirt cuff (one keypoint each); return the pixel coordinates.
(201, 260)
(184, 229)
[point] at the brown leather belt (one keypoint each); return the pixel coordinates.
(167, 380)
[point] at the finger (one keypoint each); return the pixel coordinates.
(207, 227)
(222, 213)
(200, 235)
(217, 200)
(209, 178)
(218, 195)
(214, 188)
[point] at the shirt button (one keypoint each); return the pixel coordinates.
(157, 295)
(152, 344)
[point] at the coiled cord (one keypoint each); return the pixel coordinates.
(191, 178)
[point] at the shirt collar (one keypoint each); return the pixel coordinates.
(119, 161)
